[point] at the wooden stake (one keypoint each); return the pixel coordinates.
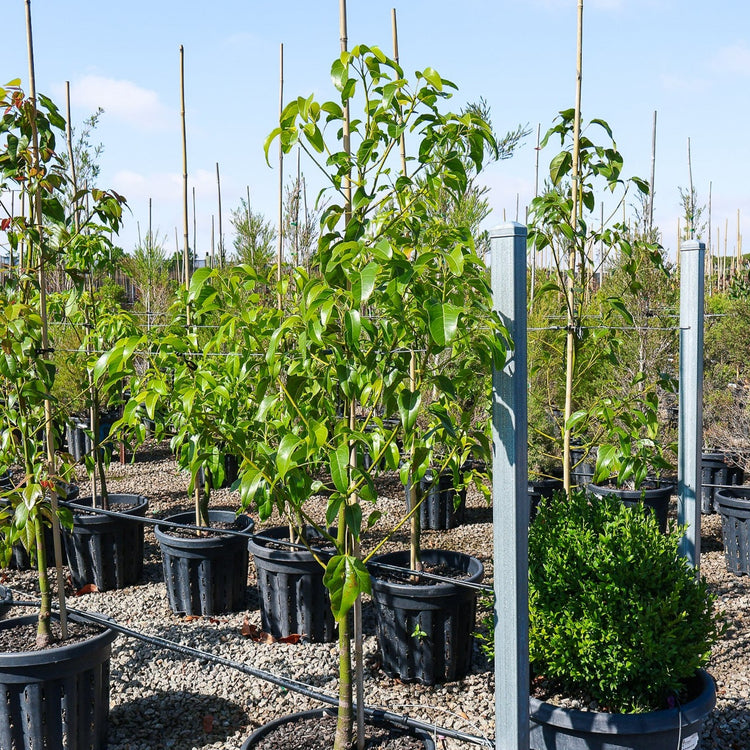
(48, 430)
(186, 240)
(280, 245)
(570, 293)
(651, 183)
(222, 258)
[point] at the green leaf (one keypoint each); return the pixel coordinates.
(408, 408)
(285, 454)
(338, 461)
(346, 578)
(560, 166)
(432, 77)
(443, 322)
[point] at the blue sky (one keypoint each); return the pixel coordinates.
(688, 60)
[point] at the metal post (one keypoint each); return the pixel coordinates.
(510, 498)
(691, 398)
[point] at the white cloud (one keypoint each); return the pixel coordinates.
(123, 100)
(732, 59)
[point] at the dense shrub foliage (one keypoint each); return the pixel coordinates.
(614, 612)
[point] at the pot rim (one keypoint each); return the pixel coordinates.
(650, 722)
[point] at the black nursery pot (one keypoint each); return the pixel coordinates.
(425, 630)
(734, 507)
(105, 550)
(292, 596)
(656, 498)
(57, 697)
(439, 509)
(715, 469)
(287, 738)
(6, 601)
(542, 489)
(205, 575)
(20, 559)
(557, 728)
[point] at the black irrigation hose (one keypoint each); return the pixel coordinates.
(283, 682)
(481, 587)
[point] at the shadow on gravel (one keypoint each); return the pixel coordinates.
(727, 728)
(175, 719)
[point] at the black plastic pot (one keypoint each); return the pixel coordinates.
(78, 440)
(734, 507)
(280, 726)
(292, 596)
(557, 728)
(656, 497)
(6, 601)
(716, 470)
(105, 550)
(439, 509)
(20, 559)
(581, 471)
(57, 697)
(425, 630)
(542, 489)
(205, 575)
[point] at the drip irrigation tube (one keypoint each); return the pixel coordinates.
(284, 682)
(481, 587)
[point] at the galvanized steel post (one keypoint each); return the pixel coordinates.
(690, 435)
(510, 498)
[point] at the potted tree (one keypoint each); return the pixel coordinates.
(629, 466)
(103, 550)
(619, 625)
(39, 673)
(346, 338)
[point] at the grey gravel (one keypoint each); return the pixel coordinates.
(160, 699)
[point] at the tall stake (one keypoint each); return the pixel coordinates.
(570, 356)
(651, 181)
(709, 247)
(690, 228)
(45, 608)
(280, 244)
(344, 724)
(186, 241)
(221, 233)
(536, 193)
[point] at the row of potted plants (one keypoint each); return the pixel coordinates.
(393, 317)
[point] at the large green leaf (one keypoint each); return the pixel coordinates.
(346, 578)
(443, 320)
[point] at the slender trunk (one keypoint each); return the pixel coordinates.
(43, 624)
(570, 344)
(186, 241)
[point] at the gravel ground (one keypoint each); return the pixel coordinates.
(160, 699)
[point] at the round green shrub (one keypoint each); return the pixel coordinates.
(615, 614)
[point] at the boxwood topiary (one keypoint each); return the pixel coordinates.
(615, 614)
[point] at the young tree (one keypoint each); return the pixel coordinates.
(254, 238)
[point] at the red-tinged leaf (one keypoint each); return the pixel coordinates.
(291, 638)
(190, 618)
(247, 629)
(89, 588)
(208, 723)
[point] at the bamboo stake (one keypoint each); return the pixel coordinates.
(536, 193)
(726, 238)
(739, 244)
(690, 228)
(343, 727)
(651, 182)
(48, 431)
(195, 232)
(570, 337)
(280, 245)
(710, 248)
(222, 254)
(186, 241)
